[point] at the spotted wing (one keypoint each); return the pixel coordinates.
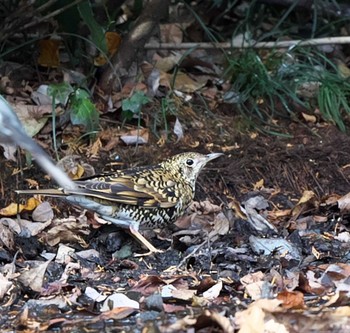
(146, 189)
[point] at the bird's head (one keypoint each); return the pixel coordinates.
(189, 165)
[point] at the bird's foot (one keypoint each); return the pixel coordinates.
(143, 241)
(150, 252)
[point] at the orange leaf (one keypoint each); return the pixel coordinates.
(113, 41)
(49, 55)
(11, 209)
(291, 299)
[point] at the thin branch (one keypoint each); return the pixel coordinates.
(52, 14)
(245, 45)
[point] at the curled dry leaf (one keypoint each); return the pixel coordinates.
(133, 137)
(5, 285)
(178, 130)
(251, 209)
(6, 236)
(66, 230)
(344, 203)
(43, 212)
(266, 246)
(291, 299)
(214, 291)
(29, 229)
(63, 254)
(94, 294)
(119, 301)
(257, 315)
(33, 275)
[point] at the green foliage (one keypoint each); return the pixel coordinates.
(60, 92)
(82, 110)
(257, 81)
(96, 30)
(333, 99)
(265, 88)
(132, 106)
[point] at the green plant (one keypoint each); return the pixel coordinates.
(268, 87)
(132, 106)
(81, 110)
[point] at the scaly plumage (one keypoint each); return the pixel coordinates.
(151, 196)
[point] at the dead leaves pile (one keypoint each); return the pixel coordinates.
(257, 280)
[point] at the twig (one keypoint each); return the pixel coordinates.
(50, 15)
(245, 45)
(192, 253)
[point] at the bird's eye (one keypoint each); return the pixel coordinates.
(189, 162)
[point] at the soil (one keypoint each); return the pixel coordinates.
(315, 158)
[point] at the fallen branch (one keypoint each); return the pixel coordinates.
(245, 45)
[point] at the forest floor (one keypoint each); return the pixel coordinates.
(221, 270)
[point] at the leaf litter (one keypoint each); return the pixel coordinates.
(264, 248)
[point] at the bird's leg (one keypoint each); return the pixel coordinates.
(133, 227)
(144, 241)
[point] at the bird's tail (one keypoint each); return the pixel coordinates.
(47, 192)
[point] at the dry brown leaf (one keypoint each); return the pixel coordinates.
(221, 224)
(116, 314)
(6, 236)
(183, 294)
(166, 64)
(113, 40)
(185, 84)
(171, 33)
(12, 209)
(344, 203)
(147, 285)
(306, 197)
(214, 291)
(259, 185)
(291, 299)
(309, 118)
(43, 212)
(139, 136)
(118, 300)
(256, 317)
(173, 308)
(49, 53)
(33, 275)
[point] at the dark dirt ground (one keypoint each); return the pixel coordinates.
(316, 158)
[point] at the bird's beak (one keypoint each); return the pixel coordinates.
(213, 156)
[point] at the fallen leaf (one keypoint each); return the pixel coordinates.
(64, 254)
(5, 285)
(309, 118)
(119, 301)
(178, 130)
(171, 33)
(214, 291)
(49, 53)
(43, 212)
(6, 236)
(291, 299)
(33, 275)
(94, 294)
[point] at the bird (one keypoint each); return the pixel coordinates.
(147, 196)
(12, 132)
